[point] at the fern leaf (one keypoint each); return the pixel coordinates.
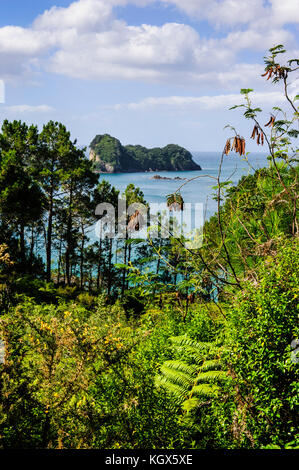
(176, 390)
(212, 364)
(191, 404)
(211, 376)
(177, 377)
(183, 341)
(205, 391)
(181, 366)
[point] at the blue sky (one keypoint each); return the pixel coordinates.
(148, 72)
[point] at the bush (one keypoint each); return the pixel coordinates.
(262, 325)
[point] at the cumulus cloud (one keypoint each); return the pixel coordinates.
(237, 12)
(219, 12)
(201, 102)
(285, 12)
(86, 40)
(25, 109)
(82, 15)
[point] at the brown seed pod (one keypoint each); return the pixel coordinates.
(269, 122)
(234, 144)
(255, 131)
(227, 147)
(270, 73)
(262, 138)
(243, 146)
(258, 139)
(136, 221)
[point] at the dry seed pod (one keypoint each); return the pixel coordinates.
(269, 122)
(258, 139)
(227, 147)
(239, 146)
(255, 130)
(270, 73)
(136, 221)
(243, 146)
(262, 138)
(234, 143)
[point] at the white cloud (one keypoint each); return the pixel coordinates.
(149, 52)
(221, 12)
(26, 42)
(184, 103)
(237, 12)
(85, 40)
(286, 11)
(256, 39)
(83, 15)
(25, 109)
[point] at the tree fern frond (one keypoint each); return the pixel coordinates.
(205, 391)
(177, 377)
(194, 378)
(191, 404)
(211, 376)
(189, 369)
(176, 390)
(211, 364)
(184, 341)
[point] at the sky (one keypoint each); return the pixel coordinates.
(148, 72)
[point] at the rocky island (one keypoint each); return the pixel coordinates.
(110, 156)
(158, 177)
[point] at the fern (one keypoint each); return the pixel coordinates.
(212, 364)
(196, 377)
(211, 376)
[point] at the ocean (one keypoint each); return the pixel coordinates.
(196, 191)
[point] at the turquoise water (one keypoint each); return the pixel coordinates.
(198, 191)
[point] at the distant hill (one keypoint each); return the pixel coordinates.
(110, 156)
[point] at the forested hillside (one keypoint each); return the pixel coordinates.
(110, 156)
(140, 344)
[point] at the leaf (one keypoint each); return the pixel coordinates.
(245, 91)
(205, 390)
(191, 404)
(237, 106)
(278, 49)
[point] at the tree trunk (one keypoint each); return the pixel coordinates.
(82, 256)
(110, 266)
(124, 270)
(49, 236)
(69, 240)
(22, 244)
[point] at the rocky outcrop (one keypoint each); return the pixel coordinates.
(110, 156)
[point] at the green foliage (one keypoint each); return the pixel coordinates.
(110, 156)
(262, 325)
(87, 341)
(196, 378)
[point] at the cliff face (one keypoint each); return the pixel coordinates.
(110, 156)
